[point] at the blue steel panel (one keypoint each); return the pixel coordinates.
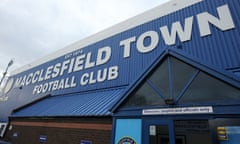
(85, 104)
(220, 51)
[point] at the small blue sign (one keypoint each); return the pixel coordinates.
(15, 134)
(85, 142)
(42, 138)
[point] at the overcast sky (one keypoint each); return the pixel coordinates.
(31, 29)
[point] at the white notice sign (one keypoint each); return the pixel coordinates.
(152, 130)
(182, 110)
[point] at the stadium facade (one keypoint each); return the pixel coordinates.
(170, 75)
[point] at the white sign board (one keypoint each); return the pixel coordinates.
(152, 130)
(181, 110)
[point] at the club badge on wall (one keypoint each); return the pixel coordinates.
(127, 140)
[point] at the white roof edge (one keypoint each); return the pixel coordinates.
(159, 11)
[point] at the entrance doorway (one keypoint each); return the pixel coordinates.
(177, 132)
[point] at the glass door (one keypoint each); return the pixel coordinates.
(177, 132)
(192, 132)
(158, 132)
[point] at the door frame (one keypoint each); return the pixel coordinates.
(167, 122)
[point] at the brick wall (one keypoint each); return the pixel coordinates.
(60, 130)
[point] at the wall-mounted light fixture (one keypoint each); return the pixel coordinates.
(169, 101)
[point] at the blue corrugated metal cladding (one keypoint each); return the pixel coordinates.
(96, 103)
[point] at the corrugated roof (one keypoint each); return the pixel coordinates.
(95, 103)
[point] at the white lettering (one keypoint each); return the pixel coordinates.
(79, 63)
(127, 45)
(92, 80)
(103, 55)
(29, 78)
(48, 72)
(23, 80)
(154, 41)
(89, 64)
(71, 65)
(184, 35)
(50, 85)
(146, 42)
(56, 70)
(35, 89)
(45, 88)
(61, 84)
(35, 76)
(113, 73)
(102, 75)
(55, 85)
(40, 78)
(64, 66)
(73, 82)
(225, 21)
(84, 79)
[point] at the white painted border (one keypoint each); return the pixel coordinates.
(159, 11)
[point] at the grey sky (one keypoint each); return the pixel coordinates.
(31, 29)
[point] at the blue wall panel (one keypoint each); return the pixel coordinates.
(128, 131)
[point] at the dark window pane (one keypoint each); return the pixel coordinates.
(144, 96)
(160, 78)
(181, 74)
(192, 132)
(208, 89)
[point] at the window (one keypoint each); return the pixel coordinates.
(183, 83)
(181, 74)
(145, 95)
(208, 89)
(160, 78)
